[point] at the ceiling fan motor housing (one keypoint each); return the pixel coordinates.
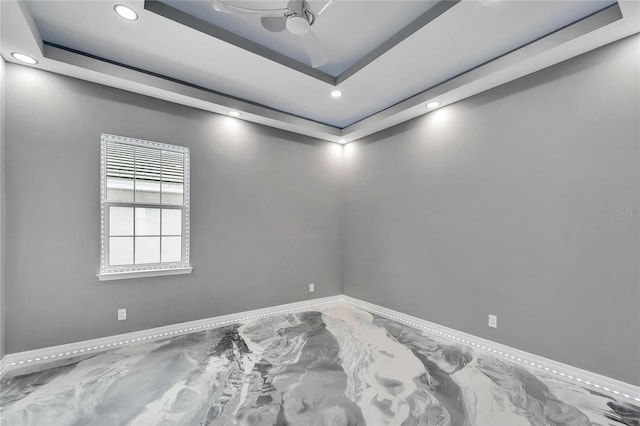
(298, 25)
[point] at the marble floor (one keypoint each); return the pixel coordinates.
(335, 366)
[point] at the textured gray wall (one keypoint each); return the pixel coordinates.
(500, 204)
(265, 213)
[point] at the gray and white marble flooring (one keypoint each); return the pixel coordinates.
(336, 366)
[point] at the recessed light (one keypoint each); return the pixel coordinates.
(336, 94)
(24, 58)
(342, 140)
(126, 12)
(234, 113)
(434, 104)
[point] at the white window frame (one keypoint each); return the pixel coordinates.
(147, 270)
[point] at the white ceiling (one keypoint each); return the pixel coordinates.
(471, 47)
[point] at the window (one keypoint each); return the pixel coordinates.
(144, 208)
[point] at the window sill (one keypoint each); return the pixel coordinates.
(109, 276)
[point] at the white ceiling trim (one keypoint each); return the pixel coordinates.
(103, 72)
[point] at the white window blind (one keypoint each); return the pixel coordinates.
(144, 206)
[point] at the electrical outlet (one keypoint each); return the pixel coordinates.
(493, 321)
(312, 288)
(122, 314)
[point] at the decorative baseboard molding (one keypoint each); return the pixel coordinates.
(20, 359)
(602, 384)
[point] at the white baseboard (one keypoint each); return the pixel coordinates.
(36, 356)
(602, 384)
(606, 385)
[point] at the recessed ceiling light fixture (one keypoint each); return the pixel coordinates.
(126, 12)
(434, 104)
(234, 113)
(336, 94)
(342, 140)
(24, 58)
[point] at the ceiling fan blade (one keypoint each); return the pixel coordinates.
(224, 7)
(325, 7)
(275, 24)
(314, 49)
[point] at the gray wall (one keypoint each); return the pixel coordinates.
(499, 205)
(265, 213)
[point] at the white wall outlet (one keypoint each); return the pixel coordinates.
(122, 314)
(493, 321)
(312, 288)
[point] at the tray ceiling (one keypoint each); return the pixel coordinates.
(348, 30)
(386, 64)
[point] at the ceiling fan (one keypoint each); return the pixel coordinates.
(297, 18)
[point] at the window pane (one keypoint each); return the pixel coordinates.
(171, 222)
(119, 189)
(172, 193)
(120, 251)
(171, 249)
(121, 221)
(147, 221)
(147, 250)
(147, 172)
(172, 177)
(147, 192)
(119, 172)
